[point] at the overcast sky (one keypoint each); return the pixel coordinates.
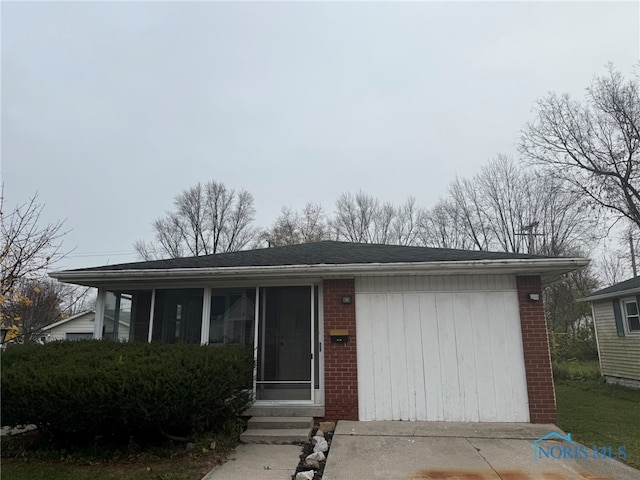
(110, 109)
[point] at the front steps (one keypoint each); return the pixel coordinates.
(277, 430)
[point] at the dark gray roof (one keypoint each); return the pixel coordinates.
(318, 253)
(631, 284)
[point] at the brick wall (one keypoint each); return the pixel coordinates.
(537, 360)
(340, 359)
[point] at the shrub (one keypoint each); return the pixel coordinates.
(579, 345)
(95, 388)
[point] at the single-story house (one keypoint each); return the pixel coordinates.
(354, 331)
(76, 327)
(616, 317)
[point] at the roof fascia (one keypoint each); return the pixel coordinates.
(546, 268)
(68, 319)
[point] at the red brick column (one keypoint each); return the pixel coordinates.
(537, 359)
(340, 359)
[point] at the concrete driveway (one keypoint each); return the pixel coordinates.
(469, 451)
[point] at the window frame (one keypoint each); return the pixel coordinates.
(626, 316)
(75, 337)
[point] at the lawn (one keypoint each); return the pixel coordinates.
(38, 470)
(596, 413)
(20, 461)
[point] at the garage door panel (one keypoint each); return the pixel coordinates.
(413, 346)
(465, 345)
(454, 356)
(398, 361)
(431, 357)
(501, 358)
(520, 402)
(380, 358)
(366, 378)
(483, 352)
(449, 375)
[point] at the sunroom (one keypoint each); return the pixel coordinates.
(280, 322)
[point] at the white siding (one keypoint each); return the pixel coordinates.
(82, 324)
(440, 348)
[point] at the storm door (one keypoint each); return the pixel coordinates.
(285, 338)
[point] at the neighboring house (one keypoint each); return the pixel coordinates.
(76, 327)
(354, 331)
(617, 321)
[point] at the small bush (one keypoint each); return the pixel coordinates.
(575, 370)
(579, 345)
(95, 388)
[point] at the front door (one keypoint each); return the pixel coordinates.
(285, 339)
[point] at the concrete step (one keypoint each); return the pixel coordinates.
(276, 436)
(284, 411)
(280, 423)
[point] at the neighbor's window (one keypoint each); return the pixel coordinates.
(78, 336)
(630, 308)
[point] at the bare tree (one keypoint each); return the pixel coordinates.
(206, 219)
(439, 228)
(28, 248)
(362, 218)
(407, 223)
(508, 208)
(593, 145)
(33, 305)
(76, 298)
(467, 210)
(354, 217)
(612, 267)
(619, 252)
(566, 221)
(291, 227)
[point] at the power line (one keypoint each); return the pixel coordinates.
(100, 254)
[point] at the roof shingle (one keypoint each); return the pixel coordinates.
(327, 252)
(627, 285)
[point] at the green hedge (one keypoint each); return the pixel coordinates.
(94, 388)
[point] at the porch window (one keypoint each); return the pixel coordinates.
(117, 316)
(232, 316)
(178, 315)
(126, 315)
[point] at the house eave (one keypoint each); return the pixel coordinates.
(610, 295)
(546, 268)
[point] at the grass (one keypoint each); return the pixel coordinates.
(596, 413)
(26, 457)
(576, 370)
(22, 470)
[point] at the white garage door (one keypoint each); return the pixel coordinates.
(440, 348)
